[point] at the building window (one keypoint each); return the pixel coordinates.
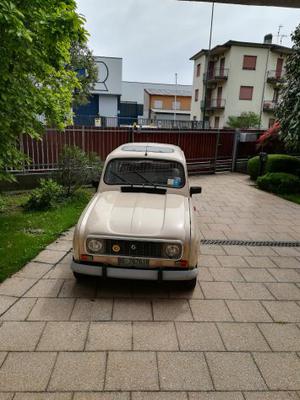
(250, 62)
(198, 70)
(246, 92)
(176, 105)
(158, 104)
(196, 94)
(217, 122)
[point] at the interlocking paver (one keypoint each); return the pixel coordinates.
(63, 336)
(210, 310)
(260, 262)
(131, 371)
(60, 271)
(26, 371)
(218, 290)
(109, 336)
(204, 275)
(287, 252)
(216, 396)
(257, 275)
(2, 357)
(33, 270)
(252, 291)
(159, 396)
(271, 396)
(101, 396)
(286, 262)
(283, 311)
(208, 261)
(282, 337)
(132, 310)
(154, 336)
(286, 275)
(234, 371)
(19, 311)
(248, 311)
(226, 274)
(172, 310)
(280, 370)
(92, 310)
(43, 396)
(50, 256)
(5, 303)
(20, 336)
(196, 336)
(242, 337)
(6, 396)
(16, 286)
(78, 372)
(233, 261)
(284, 291)
(212, 249)
(71, 289)
(237, 251)
(51, 310)
(175, 371)
(45, 288)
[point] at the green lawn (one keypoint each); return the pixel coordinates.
(292, 197)
(24, 234)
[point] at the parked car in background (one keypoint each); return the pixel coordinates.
(140, 224)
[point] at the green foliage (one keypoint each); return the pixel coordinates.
(46, 196)
(36, 84)
(288, 111)
(2, 204)
(279, 183)
(246, 120)
(275, 163)
(76, 168)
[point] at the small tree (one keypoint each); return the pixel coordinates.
(245, 121)
(288, 111)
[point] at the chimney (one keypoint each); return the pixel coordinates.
(268, 38)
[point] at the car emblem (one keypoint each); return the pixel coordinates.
(133, 247)
(116, 248)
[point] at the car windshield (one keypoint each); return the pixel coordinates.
(150, 172)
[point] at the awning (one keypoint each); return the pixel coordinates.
(273, 3)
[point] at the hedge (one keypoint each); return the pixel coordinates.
(279, 183)
(275, 163)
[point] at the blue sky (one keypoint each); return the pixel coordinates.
(156, 38)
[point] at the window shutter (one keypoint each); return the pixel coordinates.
(249, 62)
(246, 92)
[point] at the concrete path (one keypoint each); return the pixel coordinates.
(236, 337)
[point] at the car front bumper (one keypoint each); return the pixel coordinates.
(134, 273)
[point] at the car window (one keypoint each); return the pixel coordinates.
(148, 172)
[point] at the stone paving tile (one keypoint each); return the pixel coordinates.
(286, 251)
(210, 310)
(257, 275)
(43, 396)
(7, 396)
(282, 337)
(117, 289)
(234, 371)
(286, 262)
(198, 336)
(2, 357)
(208, 261)
(60, 271)
(284, 291)
(159, 396)
(16, 286)
(252, 291)
(271, 396)
(280, 370)
(109, 336)
(204, 275)
(242, 337)
(5, 303)
(33, 270)
(63, 336)
(26, 371)
(286, 275)
(92, 310)
(51, 310)
(131, 371)
(237, 251)
(226, 274)
(175, 371)
(218, 290)
(49, 256)
(101, 396)
(154, 336)
(262, 251)
(72, 289)
(78, 372)
(248, 311)
(45, 288)
(20, 336)
(172, 310)
(260, 262)
(132, 310)
(283, 311)
(150, 290)
(19, 311)
(212, 249)
(216, 396)
(233, 261)
(60, 245)
(180, 293)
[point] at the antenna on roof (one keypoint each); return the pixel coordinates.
(279, 36)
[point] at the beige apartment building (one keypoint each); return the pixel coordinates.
(240, 77)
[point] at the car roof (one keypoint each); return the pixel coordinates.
(148, 150)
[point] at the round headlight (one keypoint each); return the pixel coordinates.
(173, 250)
(95, 245)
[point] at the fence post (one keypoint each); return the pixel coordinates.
(235, 149)
(216, 152)
(82, 138)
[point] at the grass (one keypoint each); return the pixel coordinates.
(24, 234)
(295, 198)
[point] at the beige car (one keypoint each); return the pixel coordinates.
(140, 224)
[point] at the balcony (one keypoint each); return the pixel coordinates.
(217, 75)
(275, 77)
(214, 104)
(269, 105)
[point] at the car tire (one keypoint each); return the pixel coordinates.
(189, 285)
(79, 277)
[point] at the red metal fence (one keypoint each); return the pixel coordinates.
(205, 150)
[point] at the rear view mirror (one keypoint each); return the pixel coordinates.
(195, 190)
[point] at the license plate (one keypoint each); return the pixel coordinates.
(133, 262)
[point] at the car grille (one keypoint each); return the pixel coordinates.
(129, 248)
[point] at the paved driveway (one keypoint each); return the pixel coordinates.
(236, 337)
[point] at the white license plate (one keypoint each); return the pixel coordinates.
(133, 262)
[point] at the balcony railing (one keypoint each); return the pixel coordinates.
(218, 74)
(269, 105)
(214, 104)
(275, 76)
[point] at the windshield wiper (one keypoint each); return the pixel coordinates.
(121, 179)
(145, 179)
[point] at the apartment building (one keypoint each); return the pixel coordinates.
(238, 77)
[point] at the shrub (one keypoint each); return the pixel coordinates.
(46, 196)
(76, 168)
(275, 163)
(279, 182)
(2, 204)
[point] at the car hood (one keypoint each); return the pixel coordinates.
(138, 214)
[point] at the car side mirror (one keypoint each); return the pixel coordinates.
(195, 190)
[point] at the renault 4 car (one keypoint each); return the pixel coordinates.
(141, 222)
